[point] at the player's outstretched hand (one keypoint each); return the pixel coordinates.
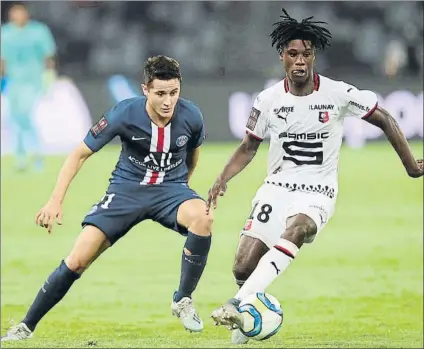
(218, 189)
(418, 171)
(51, 212)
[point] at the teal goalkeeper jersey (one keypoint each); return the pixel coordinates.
(24, 50)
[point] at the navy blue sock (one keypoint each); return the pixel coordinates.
(192, 264)
(53, 290)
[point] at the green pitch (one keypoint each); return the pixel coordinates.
(360, 284)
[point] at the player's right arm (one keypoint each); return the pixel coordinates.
(52, 211)
(99, 135)
(256, 129)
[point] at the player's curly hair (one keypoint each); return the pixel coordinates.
(162, 68)
(290, 29)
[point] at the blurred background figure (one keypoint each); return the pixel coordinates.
(396, 58)
(28, 67)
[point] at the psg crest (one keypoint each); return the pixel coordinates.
(181, 140)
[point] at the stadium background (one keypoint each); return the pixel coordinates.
(360, 283)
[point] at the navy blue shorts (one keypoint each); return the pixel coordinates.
(125, 205)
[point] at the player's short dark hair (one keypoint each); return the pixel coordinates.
(18, 4)
(289, 29)
(162, 68)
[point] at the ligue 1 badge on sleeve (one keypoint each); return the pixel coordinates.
(253, 118)
(99, 127)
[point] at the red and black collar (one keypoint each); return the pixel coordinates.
(316, 83)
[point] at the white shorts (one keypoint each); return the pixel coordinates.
(273, 205)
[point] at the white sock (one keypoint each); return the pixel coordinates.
(272, 264)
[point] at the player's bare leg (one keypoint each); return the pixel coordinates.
(301, 228)
(192, 215)
(249, 251)
(88, 247)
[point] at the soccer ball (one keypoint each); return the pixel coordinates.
(262, 315)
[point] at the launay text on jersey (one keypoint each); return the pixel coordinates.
(321, 107)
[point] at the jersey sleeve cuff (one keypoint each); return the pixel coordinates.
(90, 146)
(253, 135)
(371, 111)
(197, 145)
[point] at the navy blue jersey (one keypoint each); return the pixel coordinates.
(150, 154)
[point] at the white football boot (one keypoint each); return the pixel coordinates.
(237, 337)
(228, 315)
(17, 333)
(184, 310)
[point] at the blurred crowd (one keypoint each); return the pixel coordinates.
(223, 37)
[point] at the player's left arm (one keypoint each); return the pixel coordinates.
(4, 49)
(191, 161)
(3, 80)
(50, 63)
(193, 145)
(4, 53)
(48, 48)
(388, 124)
(363, 104)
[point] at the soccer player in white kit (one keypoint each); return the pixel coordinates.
(303, 115)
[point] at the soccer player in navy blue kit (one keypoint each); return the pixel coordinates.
(161, 134)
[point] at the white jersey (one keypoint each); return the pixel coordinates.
(306, 132)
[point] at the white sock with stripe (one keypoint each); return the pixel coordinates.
(272, 264)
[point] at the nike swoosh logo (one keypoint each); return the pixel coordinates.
(137, 138)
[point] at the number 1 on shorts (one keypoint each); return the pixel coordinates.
(107, 202)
